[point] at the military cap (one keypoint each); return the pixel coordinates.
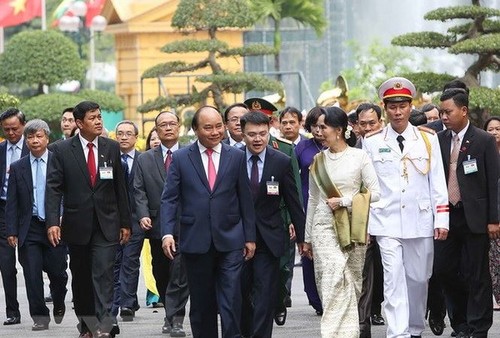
(397, 89)
(261, 105)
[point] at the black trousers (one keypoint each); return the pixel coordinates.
(8, 268)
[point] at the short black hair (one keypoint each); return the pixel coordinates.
(196, 116)
(417, 118)
(83, 107)
(293, 111)
(335, 117)
(254, 117)
(312, 118)
(13, 112)
(458, 91)
(493, 118)
(369, 106)
(148, 139)
(68, 110)
(428, 107)
(234, 105)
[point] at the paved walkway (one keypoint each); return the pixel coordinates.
(301, 322)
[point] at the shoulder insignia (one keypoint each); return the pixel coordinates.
(284, 140)
(426, 129)
(275, 144)
(373, 133)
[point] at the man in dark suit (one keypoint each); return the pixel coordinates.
(11, 150)
(127, 264)
(152, 170)
(87, 171)
(461, 262)
(232, 116)
(207, 183)
(271, 180)
(25, 220)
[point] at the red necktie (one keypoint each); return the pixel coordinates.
(211, 169)
(91, 163)
(168, 160)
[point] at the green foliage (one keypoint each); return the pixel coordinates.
(241, 82)
(483, 44)
(489, 26)
(427, 82)
(40, 58)
(212, 14)
(461, 12)
(423, 40)
(7, 100)
(164, 69)
(192, 45)
(108, 101)
(485, 99)
(250, 50)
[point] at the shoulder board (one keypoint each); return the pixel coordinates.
(284, 140)
(374, 133)
(426, 129)
(275, 144)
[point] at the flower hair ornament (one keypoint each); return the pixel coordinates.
(347, 133)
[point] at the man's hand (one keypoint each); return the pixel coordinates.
(291, 231)
(124, 235)
(12, 240)
(307, 250)
(249, 250)
(145, 223)
(494, 230)
(54, 235)
(168, 246)
(440, 234)
(300, 248)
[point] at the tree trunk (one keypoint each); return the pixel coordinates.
(277, 47)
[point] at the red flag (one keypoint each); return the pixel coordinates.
(94, 8)
(15, 12)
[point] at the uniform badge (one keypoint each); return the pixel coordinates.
(256, 105)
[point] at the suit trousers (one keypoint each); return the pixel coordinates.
(310, 283)
(214, 280)
(407, 269)
(259, 283)
(462, 268)
(37, 255)
(177, 293)
(161, 268)
(92, 281)
(8, 268)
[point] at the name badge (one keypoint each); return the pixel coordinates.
(106, 173)
(384, 150)
(273, 188)
(470, 166)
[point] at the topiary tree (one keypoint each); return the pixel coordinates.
(210, 16)
(40, 58)
(7, 100)
(107, 101)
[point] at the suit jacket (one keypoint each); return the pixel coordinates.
(20, 199)
(68, 176)
(149, 181)
(130, 189)
(478, 190)
(3, 163)
(267, 207)
(223, 217)
(436, 125)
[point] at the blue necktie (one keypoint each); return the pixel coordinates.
(125, 166)
(40, 189)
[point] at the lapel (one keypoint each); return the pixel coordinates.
(160, 165)
(466, 143)
(3, 150)
(134, 165)
(445, 150)
(27, 176)
(266, 171)
(77, 150)
(225, 159)
(103, 156)
(195, 158)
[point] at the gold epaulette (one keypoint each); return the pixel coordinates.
(284, 140)
(373, 133)
(426, 129)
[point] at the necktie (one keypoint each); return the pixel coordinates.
(40, 189)
(14, 156)
(125, 166)
(168, 160)
(211, 169)
(453, 189)
(400, 139)
(254, 176)
(91, 163)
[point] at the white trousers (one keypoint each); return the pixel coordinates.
(407, 269)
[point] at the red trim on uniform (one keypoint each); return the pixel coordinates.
(267, 111)
(443, 208)
(392, 92)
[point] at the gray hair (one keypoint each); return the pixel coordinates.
(136, 129)
(35, 125)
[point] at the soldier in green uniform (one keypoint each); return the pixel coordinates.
(286, 147)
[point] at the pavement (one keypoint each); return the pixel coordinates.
(301, 321)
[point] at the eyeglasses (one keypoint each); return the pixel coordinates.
(234, 119)
(168, 124)
(262, 134)
(127, 134)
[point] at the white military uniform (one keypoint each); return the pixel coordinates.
(413, 202)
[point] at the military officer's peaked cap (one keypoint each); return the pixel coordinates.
(261, 105)
(397, 89)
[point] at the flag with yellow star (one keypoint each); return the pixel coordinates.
(15, 12)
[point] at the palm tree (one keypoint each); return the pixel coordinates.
(306, 12)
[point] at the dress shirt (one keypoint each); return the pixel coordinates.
(164, 150)
(260, 163)
(234, 143)
(18, 148)
(86, 149)
(43, 166)
(461, 135)
(215, 156)
(130, 158)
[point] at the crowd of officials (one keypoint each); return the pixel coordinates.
(391, 214)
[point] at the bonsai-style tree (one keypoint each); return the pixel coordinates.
(210, 16)
(40, 58)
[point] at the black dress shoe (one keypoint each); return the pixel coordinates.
(280, 317)
(412, 336)
(85, 335)
(39, 326)
(288, 301)
(177, 330)
(58, 312)
(48, 299)
(462, 335)
(127, 314)
(166, 328)
(437, 326)
(114, 330)
(377, 320)
(12, 321)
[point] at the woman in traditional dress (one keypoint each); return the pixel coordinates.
(342, 183)
(492, 126)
